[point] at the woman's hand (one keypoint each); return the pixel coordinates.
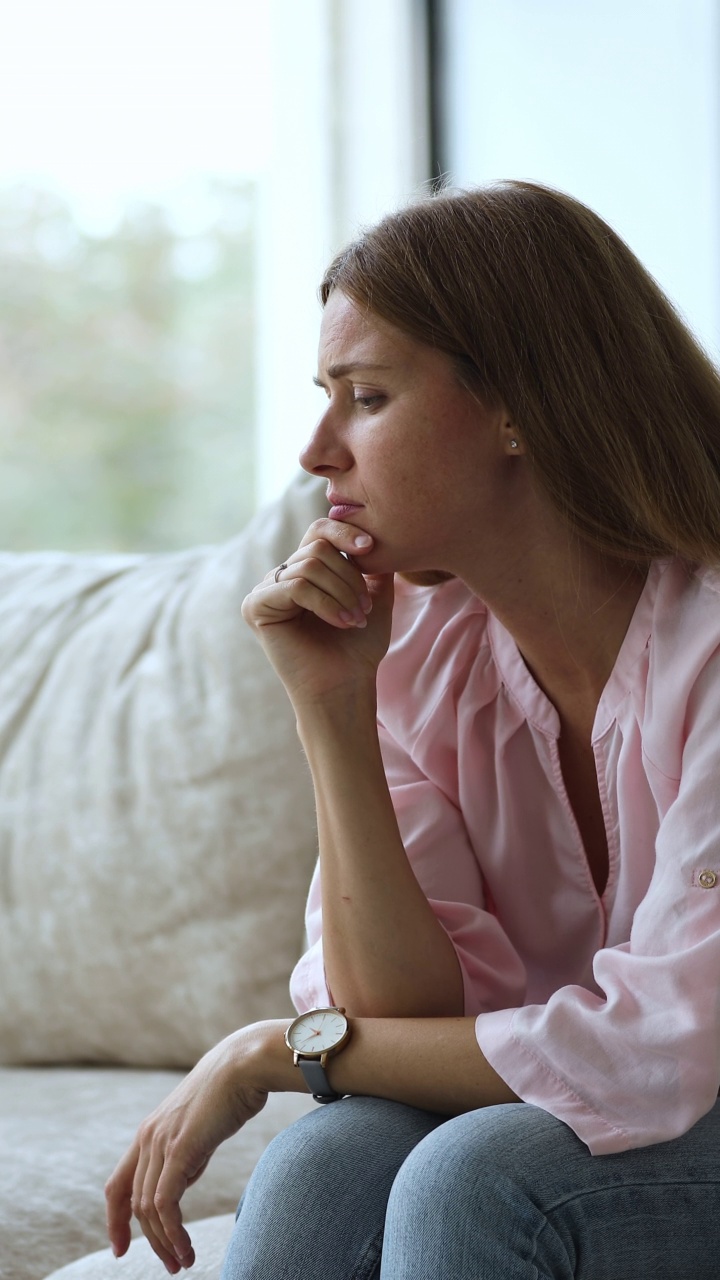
(173, 1146)
(322, 624)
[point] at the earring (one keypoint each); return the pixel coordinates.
(513, 444)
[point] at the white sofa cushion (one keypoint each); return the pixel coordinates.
(210, 1237)
(63, 1130)
(157, 827)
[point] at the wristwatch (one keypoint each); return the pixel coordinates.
(313, 1038)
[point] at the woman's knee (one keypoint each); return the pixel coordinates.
(323, 1186)
(463, 1151)
(512, 1186)
(496, 1155)
(344, 1140)
(457, 1206)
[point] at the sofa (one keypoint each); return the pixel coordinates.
(157, 839)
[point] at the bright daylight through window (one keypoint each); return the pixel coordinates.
(132, 148)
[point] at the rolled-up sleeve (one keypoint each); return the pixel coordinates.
(441, 856)
(639, 1063)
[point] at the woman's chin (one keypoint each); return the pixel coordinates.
(426, 577)
(419, 577)
(380, 560)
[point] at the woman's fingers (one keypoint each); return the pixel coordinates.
(173, 1146)
(336, 545)
(317, 579)
(335, 557)
(158, 1189)
(146, 1174)
(343, 536)
(172, 1264)
(266, 606)
(339, 592)
(118, 1201)
(167, 1223)
(140, 1187)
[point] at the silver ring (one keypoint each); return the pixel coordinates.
(279, 570)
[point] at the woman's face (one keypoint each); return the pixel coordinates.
(409, 455)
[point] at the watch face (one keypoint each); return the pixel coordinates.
(317, 1031)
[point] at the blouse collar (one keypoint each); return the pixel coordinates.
(535, 704)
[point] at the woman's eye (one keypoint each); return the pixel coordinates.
(368, 402)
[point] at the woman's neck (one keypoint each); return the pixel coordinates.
(567, 607)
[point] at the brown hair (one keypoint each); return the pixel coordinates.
(546, 311)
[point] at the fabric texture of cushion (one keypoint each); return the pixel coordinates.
(210, 1237)
(63, 1130)
(157, 831)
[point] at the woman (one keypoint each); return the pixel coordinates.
(517, 902)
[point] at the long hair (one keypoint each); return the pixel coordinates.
(547, 312)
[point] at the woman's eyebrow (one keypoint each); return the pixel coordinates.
(342, 370)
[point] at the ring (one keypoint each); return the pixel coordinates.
(279, 570)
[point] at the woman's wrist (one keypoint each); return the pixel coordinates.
(330, 716)
(360, 692)
(263, 1060)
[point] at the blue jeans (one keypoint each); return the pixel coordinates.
(366, 1189)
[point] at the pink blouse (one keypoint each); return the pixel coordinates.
(603, 1011)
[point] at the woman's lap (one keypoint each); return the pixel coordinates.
(316, 1202)
(537, 1204)
(365, 1188)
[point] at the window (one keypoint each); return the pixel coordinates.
(615, 103)
(173, 179)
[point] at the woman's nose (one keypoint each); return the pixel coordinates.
(324, 452)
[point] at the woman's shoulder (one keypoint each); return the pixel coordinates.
(686, 623)
(683, 671)
(678, 704)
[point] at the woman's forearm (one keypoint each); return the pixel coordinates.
(432, 1063)
(385, 953)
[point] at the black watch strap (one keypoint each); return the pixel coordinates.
(317, 1081)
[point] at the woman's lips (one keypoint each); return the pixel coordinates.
(343, 510)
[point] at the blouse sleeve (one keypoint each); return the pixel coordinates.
(440, 854)
(639, 1063)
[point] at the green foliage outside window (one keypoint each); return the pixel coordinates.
(126, 376)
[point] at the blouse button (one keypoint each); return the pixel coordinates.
(707, 879)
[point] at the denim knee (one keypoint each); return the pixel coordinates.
(512, 1191)
(471, 1162)
(317, 1199)
(458, 1208)
(343, 1141)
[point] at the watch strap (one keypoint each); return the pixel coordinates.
(317, 1081)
